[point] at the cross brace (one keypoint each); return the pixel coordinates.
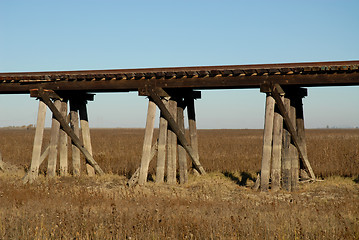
(77, 142)
(276, 90)
(176, 129)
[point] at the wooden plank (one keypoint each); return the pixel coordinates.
(147, 142)
(63, 147)
(162, 144)
(292, 131)
(277, 150)
(292, 149)
(36, 151)
(267, 142)
(182, 155)
(172, 145)
(71, 133)
(54, 139)
(192, 128)
(74, 123)
(180, 135)
(286, 160)
(85, 130)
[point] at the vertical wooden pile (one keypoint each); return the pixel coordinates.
(284, 147)
(60, 131)
(173, 146)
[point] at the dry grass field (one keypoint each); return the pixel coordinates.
(220, 205)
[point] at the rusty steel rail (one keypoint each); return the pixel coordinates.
(341, 73)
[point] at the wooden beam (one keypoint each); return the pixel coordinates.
(291, 130)
(70, 132)
(180, 135)
(172, 145)
(182, 155)
(267, 142)
(147, 142)
(277, 150)
(286, 159)
(300, 128)
(2, 164)
(162, 143)
(292, 149)
(85, 130)
(63, 147)
(74, 123)
(54, 139)
(36, 152)
(192, 127)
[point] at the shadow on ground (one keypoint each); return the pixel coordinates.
(242, 181)
(356, 180)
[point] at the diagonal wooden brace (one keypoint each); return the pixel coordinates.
(276, 90)
(174, 126)
(45, 97)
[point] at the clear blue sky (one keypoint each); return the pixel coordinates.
(77, 34)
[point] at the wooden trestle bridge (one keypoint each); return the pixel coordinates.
(172, 90)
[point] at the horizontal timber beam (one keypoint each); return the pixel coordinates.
(209, 77)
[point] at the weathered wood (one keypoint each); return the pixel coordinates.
(74, 123)
(293, 150)
(192, 128)
(182, 155)
(301, 132)
(291, 129)
(172, 146)
(286, 160)
(54, 139)
(180, 135)
(36, 152)
(63, 147)
(134, 178)
(277, 150)
(147, 142)
(85, 130)
(162, 143)
(267, 142)
(70, 132)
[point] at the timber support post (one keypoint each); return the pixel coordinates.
(172, 141)
(60, 131)
(284, 139)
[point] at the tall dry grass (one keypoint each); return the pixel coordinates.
(215, 206)
(210, 207)
(118, 151)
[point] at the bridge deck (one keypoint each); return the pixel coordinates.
(209, 77)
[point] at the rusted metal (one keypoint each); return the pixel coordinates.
(208, 77)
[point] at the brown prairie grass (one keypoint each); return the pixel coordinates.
(216, 206)
(118, 151)
(209, 207)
